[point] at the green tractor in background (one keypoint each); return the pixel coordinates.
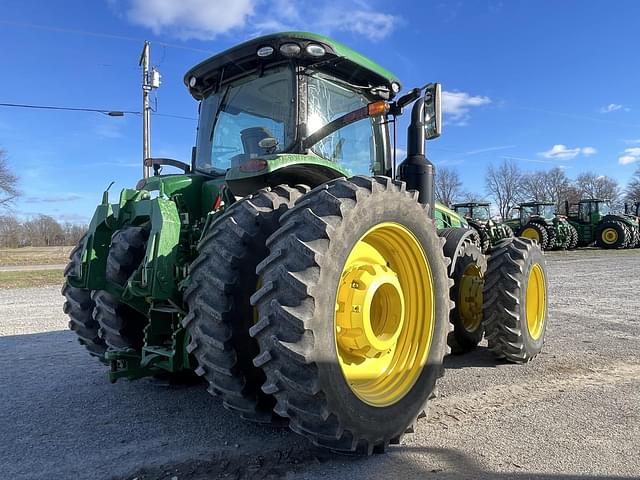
(478, 215)
(633, 210)
(594, 222)
(289, 265)
(538, 221)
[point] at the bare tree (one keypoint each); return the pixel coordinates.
(558, 187)
(44, 231)
(448, 185)
(632, 192)
(504, 185)
(534, 186)
(472, 197)
(592, 185)
(8, 181)
(10, 232)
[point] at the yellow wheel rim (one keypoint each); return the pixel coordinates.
(385, 314)
(531, 233)
(609, 236)
(469, 301)
(536, 301)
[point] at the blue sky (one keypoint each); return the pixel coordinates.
(547, 83)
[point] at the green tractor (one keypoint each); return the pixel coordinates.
(595, 222)
(633, 210)
(288, 264)
(538, 221)
(478, 215)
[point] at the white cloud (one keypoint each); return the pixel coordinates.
(207, 19)
(200, 19)
(457, 104)
(562, 152)
(630, 155)
(612, 107)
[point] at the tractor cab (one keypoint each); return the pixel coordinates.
(479, 212)
(544, 210)
(291, 108)
(632, 209)
(589, 211)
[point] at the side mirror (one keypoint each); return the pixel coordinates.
(433, 110)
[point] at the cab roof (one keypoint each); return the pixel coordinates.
(533, 204)
(471, 204)
(241, 60)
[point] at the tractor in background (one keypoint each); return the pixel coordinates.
(291, 264)
(595, 223)
(478, 216)
(632, 209)
(538, 221)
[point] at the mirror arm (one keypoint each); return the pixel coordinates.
(415, 133)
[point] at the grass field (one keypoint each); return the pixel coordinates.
(11, 257)
(34, 256)
(30, 278)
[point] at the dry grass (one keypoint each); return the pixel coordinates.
(33, 278)
(34, 256)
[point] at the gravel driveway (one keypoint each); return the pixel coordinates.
(573, 413)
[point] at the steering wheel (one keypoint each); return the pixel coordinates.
(156, 163)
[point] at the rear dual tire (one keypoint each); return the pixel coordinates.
(515, 300)
(341, 229)
(223, 277)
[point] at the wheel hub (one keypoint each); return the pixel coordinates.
(470, 298)
(370, 311)
(610, 236)
(535, 301)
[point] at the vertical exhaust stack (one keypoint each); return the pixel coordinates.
(416, 170)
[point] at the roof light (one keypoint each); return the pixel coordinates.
(395, 86)
(315, 50)
(193, 81)
(265, 51)
(290, 49)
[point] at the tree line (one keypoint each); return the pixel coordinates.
(507, 185)
(41, 231)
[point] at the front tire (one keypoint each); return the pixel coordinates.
(120, 325)
(515, 300)
(535, 231)
(79, 307)
(354, 313)
(611, 234)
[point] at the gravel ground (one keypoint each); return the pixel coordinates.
(574, 413)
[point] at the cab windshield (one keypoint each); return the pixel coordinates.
(245, 119)
(463, 211)
(603, 208)
(548, 211)
(360, 147)
(481, 213)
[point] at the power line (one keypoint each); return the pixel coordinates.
(111, 113)
(100, 34)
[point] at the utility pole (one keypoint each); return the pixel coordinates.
(150, 81)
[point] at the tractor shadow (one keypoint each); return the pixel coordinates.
(480, 357)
